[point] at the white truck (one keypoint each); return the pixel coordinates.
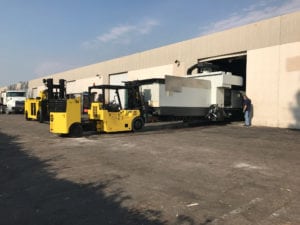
(12, 101)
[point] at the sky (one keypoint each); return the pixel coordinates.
(42, 37)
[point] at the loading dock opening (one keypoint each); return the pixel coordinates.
(234, 63)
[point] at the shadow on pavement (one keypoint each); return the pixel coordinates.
(157, 126)
(29, 194)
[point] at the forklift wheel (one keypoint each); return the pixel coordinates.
(76, 130)
(26, 116)
(137, 124)
(40, 116)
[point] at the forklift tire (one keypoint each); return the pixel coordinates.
(137, 124)
(76, 130)
(40, 116)
(26, 116)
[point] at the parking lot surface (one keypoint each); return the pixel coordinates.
(171, 173)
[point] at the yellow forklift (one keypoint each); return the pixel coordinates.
(37, 108)
(106, 112)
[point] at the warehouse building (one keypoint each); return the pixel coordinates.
(266, 54)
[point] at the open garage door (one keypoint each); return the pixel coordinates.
(234, 63)
(118, 79)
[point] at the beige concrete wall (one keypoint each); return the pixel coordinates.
(273, 84)
(262, 85)
(152, 72)
(290, 28)
(289, 86)
(81, 85)
(266, 33)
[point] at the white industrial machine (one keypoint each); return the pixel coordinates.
(210, 95)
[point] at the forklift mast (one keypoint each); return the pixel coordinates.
(55, 91)
(39, 108)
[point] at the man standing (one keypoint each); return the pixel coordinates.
(247, 110)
